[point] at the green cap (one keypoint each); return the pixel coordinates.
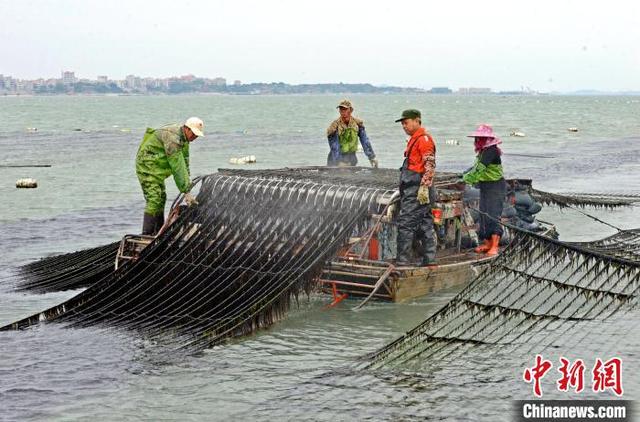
(412, 113)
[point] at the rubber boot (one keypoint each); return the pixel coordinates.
(149, 224)
(404, 254)
(159, 223)
(495, 242)
(486, 245)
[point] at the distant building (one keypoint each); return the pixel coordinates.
(474, 91)
(440, 90)
(68, 78)
(9, 83)
(151, 83)
(130, 81)
(103, 79)
(219, 82)
(237, 82)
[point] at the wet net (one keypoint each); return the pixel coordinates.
(84, 268)
(226, 267)
(69, 271)
(535, 295)
(260, 237)
(596, 200)
(348, 176)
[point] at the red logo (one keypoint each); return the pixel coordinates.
(572, 376)
(607, 375)
(536, 373)
(604, 375)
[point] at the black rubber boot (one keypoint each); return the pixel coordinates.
(159, 223)
(151, 224)
(404, 249)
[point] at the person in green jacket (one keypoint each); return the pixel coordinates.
(487, 175)
(162, 153)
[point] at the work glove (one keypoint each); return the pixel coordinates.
(190, 199)
(423, 195)
(374, 163)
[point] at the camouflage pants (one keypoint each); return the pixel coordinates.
(155, 195)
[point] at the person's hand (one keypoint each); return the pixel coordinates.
(190, 199)
(374, 163)
(423, 195)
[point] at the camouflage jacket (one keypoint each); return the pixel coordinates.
(162, 153)
(343, 138)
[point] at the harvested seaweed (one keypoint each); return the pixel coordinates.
(69, 271)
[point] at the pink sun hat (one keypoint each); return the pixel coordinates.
(483, 131)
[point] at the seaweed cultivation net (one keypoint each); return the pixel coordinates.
(535, 294)
(226, 267)
(85, 268)
(351, 176)
(597, 200)
(624, 244)
(68, 271)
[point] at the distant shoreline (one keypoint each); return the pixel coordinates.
(327, 94)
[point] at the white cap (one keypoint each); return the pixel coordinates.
(196, 125)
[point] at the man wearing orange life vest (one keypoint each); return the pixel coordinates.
(416, 192)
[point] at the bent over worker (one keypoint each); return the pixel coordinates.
(416, 191)
(487, 174)
(343, 134)
(162, 153)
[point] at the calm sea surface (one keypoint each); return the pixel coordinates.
(295, 369)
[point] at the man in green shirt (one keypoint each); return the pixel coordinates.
(165, 152)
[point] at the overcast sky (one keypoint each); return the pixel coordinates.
(547, 45)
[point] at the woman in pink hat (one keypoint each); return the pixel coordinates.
(488, 175)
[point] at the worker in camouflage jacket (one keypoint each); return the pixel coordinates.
(343, 134)
(162, 153)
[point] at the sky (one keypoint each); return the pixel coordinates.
(560, 45)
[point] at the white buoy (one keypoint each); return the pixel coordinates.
(249, 159)
(517, 134)
(572, 129)
(26, 183)
(452, 142)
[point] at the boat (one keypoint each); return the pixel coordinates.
(365, 267)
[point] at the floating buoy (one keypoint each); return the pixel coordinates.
(572, 129)
(249, 159)
(517, 134)
(32, 129)
(452, 142)
(26, 183)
